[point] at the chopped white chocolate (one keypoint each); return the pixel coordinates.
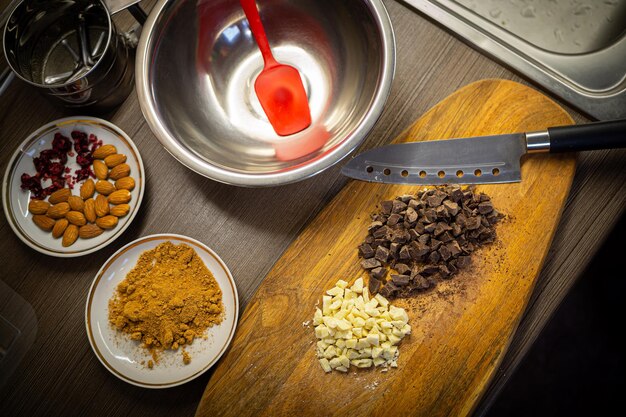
(355, 329)
(341, 284)
(325, 365)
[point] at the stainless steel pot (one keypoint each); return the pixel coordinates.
(196, 66)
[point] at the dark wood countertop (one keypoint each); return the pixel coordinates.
(250, 228)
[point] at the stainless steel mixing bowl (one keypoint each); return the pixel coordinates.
(196, 66)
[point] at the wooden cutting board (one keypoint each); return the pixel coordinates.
(461, 329)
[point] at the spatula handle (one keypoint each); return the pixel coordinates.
(588, 137)
(256, 26)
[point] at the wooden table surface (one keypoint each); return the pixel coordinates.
(250, 228)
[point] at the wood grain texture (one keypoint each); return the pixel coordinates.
(461, 329)
(250, 229)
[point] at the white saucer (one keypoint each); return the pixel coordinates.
(123, 356)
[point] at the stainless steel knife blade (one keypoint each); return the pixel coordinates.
(477, 160)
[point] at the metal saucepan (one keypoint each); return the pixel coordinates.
(196, 66)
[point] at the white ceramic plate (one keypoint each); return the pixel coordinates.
(123, 356)
(15, 200)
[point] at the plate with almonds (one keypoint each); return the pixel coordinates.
(73, 186)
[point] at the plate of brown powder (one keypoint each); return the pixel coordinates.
(161, 311)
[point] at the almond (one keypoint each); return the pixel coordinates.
(59, 228)
(70, 235)
(58, 210)
(43, 222)
(115, 160)
(104, 187)
(107, 222)
(120, 210)
(89, 231)
(38, 206)
(76, 203)
(90, 210)
(119, 197)
(119, 171)
(76, 217)
(87, 189)
(102, 205)
(100, 169)
(126, 183)
(104, 151)
(59, 196)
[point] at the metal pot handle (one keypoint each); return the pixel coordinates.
(5, 79)
(132, 6)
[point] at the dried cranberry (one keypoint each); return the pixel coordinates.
(55, 169)
(84, 159)
(33, 184)
(61, 144)
(83, 174)
(81, 141)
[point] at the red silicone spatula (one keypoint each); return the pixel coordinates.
(278, 87)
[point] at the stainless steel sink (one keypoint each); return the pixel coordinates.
(574, 48)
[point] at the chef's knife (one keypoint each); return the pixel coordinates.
(478, 160)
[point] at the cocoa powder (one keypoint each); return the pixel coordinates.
(167, 300)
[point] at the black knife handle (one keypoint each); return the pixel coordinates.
(588, 137)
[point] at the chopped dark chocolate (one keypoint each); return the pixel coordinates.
(379, 273)
(462, 261)
(445, 253)
(411, 215)
(434, 257)
(394, 249)
(374, 285)
(400, 280)
(472, 223)
(430, 215)
(382, 254)
(381, 232)
(374, 225)
(398, 206)
(370, 263)
(366, 251)
(485, 207)
(441, 212)
(446, 237)
(425, 238)
(420, 248)
(379, 242)
(451, 207)
(386, 206)
(435, 200)
(444, 271)
(415, 204)
(454, 248)
(402, 268)
(435, 244)
(429, 270)
(394, 219)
